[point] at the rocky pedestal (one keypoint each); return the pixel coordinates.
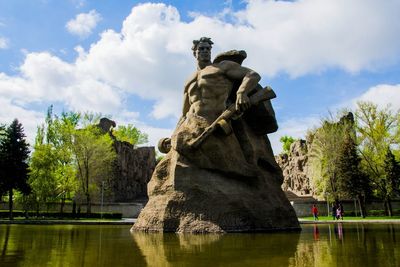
(188, 193)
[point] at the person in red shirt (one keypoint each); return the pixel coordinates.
(314, 211)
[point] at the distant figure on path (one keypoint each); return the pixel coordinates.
(314, 211)
(334, 208)
(338, 213)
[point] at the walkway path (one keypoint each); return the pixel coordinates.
(131, 221)
(305, 221)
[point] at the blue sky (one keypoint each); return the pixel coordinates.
(129, 59)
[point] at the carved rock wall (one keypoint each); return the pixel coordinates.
(132, 171)
(295, 169)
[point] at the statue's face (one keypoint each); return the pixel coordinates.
(203, 52)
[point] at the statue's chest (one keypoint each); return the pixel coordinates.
(210, 73)
(212, 76)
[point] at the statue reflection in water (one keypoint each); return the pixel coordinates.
(168, 249)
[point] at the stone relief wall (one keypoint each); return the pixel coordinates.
(295, 169)
(132, 172)
(133, 168)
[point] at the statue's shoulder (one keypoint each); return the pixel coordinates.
(232, 55)
(192, 78)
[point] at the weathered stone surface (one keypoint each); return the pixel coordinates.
(132, 171)
(295, 169)
(220, 174)
(184, 198)
(105, 124)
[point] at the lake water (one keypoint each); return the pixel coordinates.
(323, 245)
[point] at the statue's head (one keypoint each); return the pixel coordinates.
(202, 49)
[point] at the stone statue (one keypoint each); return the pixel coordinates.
(219, 174)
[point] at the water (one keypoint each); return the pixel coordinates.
(323, 245)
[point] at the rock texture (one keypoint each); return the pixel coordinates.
(188, 194)
(132, 171)
(294, 165)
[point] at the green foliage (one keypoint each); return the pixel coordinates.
(378, 130)
(14, 156)
(94, 155)
(43, 166)
(52, 166)
(353, 182)
(130, 134)
(324, 155)
(391, 181)
(14, 153)
(286, 142)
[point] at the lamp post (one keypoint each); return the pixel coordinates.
(327, 203)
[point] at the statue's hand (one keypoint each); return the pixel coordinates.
(242, 102)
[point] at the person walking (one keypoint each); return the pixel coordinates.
(334, 211)
(314, 211)
(338, 213)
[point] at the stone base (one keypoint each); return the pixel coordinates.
(184, 198)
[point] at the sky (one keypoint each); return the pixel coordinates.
(129, 59)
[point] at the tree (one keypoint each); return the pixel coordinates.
(42, 169)
(130, 134)
(286, 142)
(14, 153)
(390, 182)
(324, 154)
(377, 130)
(52, 168)
(352, 181)
(94, 155)
(3, 189)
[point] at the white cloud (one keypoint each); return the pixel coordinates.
(3, 43)
(382, 95)
(84, 23)
(28, 118)
(151, 57)
(78, 3)
(295, 127)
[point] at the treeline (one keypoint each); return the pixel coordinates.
(72, 160)
(355, 155)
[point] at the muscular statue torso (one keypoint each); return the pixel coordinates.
(208, 92)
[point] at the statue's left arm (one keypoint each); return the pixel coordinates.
(249, 79)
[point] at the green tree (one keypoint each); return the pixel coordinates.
(130, 134)
(324, 155)
(94, 155)
(377, 130)
(52, 168)
(286, 141)
(42, 179)
(14, 153)
(3, 189)
(390, 182)
(352, 181)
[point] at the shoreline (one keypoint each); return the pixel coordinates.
(131, 221)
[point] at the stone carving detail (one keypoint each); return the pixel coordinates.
(295, 169)
(132, 171)
(219, 174)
